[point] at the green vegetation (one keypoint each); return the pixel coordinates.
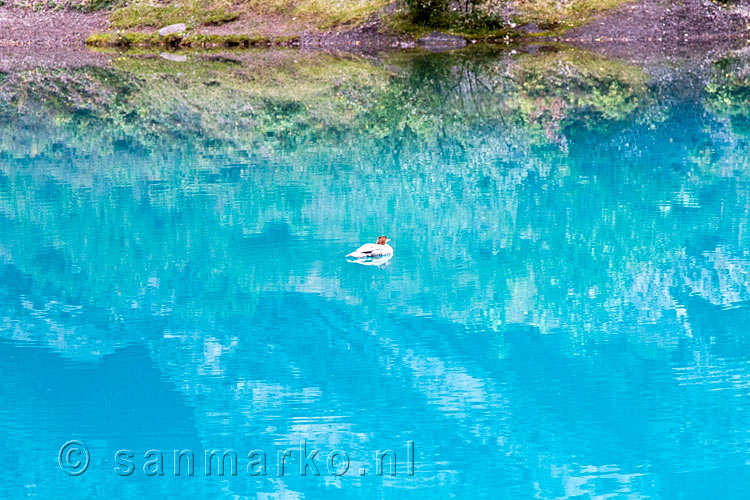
(729, 92)
(323, 13)
(125, 40)
(474, 27)
(187, 41)
(470, 18)
(483, 18)
(428, 12)
(192, 13)
(327, 13)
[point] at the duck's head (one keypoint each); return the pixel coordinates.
(382, 240)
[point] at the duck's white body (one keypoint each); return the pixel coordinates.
(372, 250)
(373, 261)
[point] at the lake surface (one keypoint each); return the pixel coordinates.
(565, 317)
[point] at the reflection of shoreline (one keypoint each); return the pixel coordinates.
(368, 96)
(25, 57)
(483, 180)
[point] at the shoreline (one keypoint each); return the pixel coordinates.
(69, 29)
(644, 26)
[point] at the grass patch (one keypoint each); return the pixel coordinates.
(125, 40)
(151, 15)
(209, 41)
(333, 12)
(324, 13)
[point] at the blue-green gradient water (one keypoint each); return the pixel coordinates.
(565, 317)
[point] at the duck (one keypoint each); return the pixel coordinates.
(378, 250)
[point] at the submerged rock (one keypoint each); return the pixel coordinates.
(437, 41)
(173, 57)
(172, 28)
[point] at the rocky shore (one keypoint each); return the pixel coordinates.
(664, 23)
(46, 28)
(632, 27)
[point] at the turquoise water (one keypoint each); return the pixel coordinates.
(565, 315)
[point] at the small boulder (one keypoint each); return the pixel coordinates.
(437, 41)
(172, 28)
